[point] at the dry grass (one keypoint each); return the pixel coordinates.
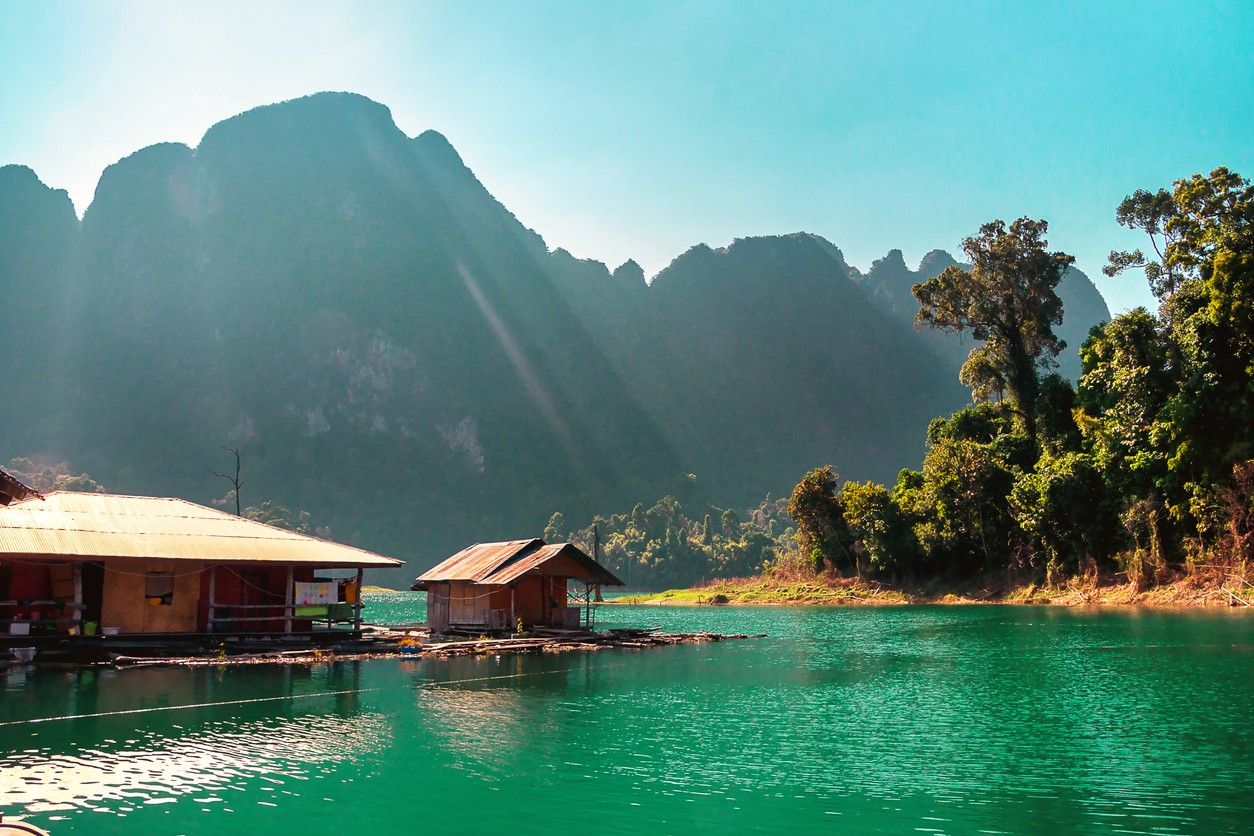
(1193, 589)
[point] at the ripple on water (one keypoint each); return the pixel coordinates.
(993, 720)
(221, 757)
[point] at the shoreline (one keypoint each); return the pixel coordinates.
(1187, 592)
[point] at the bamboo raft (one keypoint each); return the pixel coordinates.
(388, 643)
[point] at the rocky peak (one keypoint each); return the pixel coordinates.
(934, 263)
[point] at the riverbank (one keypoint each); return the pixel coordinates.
(1186, 591)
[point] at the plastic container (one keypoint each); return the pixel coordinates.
(19, 628)
(22, 654)
(89, 628)
(110, 631)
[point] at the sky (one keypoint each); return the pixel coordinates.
(637, 129)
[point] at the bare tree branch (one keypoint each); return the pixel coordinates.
(234, 480)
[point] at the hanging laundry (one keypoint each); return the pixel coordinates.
(312, 594)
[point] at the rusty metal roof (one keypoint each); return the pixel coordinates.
(506, 562)
(99, 526)
(474, 563)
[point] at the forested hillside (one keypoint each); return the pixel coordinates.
(1143, 472)
(394, 352)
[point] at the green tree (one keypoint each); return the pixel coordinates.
(1065, 512)
(1151, 213)
(1127, 379)
(1008, 301)
(962, 512)
(280, 516)
(554, 531)
(1176, 392)
(1056, 425)
(822, 535)
(882, 538)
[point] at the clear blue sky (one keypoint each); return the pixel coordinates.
(637, 129)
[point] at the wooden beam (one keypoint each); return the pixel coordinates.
(78, 593)
(291, 593)
(357, 606)
(213, 578)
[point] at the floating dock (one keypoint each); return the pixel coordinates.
(416, 642)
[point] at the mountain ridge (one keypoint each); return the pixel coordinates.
(397, 352)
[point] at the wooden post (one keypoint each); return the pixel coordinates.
(513, 619)
(78, 595)
(357, 605)
(213, 577)
(287, 610)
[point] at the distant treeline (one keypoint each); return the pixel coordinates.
(1145, 466)
(661, 546)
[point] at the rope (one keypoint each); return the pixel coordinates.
(245, 581)
(252, 700)
(46, 563)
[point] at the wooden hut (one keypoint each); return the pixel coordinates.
(496, 585)
(147, 565)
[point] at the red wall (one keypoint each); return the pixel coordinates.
(26, 582)
(251, 585)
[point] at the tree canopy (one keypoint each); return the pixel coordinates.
(1008, 301)
(1148, 464)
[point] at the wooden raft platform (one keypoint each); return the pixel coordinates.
(393, 643)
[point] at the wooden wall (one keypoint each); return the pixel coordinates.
(536, 599)
(124, 605)
(468, 603)
(437, 606)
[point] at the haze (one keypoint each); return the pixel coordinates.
(632, 130)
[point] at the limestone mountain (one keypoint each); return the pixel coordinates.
(395, 352)
(889, 280)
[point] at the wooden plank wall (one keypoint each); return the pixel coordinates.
(125, 607)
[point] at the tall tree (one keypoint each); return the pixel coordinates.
(1204, 276)
(1007, 300)
(1151, 213)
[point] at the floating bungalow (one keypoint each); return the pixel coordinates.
(496, 585)
(74, 563)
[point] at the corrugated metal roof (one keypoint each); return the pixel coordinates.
(506, 562)
(593, 572)
(96, 525)
(474, 563)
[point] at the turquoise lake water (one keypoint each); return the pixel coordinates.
(900, 720)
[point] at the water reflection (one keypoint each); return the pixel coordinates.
(488, 709)
(213, 761)
(901, 719)
(113, 741)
